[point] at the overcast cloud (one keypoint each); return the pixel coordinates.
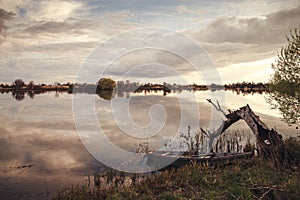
(47, 41)
(4, 16)
(267, 29)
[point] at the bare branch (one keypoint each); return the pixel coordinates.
(217, 107)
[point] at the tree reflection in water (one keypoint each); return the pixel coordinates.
(106, 94)
(19, 96)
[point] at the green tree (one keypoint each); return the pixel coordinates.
(106, 84)
(285, 82)
(287, 65)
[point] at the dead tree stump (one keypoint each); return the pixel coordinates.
(269, 142)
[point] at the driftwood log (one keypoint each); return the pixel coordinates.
(269, 143)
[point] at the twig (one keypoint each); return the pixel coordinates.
(264, 194)
(217, 107)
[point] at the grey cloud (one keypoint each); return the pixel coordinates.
(67, 26)
(56, 49)
(150, 63)
(108, 23)
(172, 50)
(228, 53)
(4, 15)
(231, 40)
(267, 30)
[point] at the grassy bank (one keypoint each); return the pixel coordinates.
(254, 178)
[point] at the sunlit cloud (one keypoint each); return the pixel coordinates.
(49, 40)
(258, 71)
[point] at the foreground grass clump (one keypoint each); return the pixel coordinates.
(249, 179)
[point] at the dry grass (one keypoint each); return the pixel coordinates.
(249, 179)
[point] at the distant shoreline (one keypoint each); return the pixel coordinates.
(133, 87)
(106, 90)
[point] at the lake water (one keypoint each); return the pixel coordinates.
(42, 149)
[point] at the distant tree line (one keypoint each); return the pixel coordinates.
(105, 88)
(19, 84)
(247, 85)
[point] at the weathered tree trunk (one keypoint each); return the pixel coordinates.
(269, 142)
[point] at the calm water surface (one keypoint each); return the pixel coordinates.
(42, 152)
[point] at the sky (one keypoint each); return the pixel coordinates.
(50, 41)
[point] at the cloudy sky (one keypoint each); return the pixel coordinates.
(48, 40)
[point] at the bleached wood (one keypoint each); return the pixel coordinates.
(269, 142)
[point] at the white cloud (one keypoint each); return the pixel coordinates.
(182, 9)
(54, 10)
(48, 10)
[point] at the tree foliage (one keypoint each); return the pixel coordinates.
(106, 84)
(285, 83)
(287, 65)
(287, 105)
